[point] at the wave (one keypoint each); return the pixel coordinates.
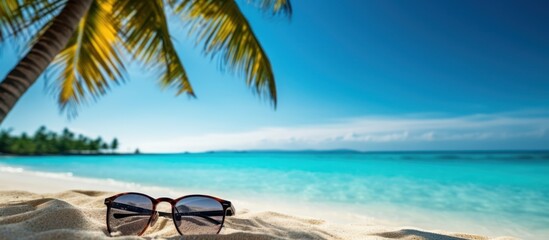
(107, 184)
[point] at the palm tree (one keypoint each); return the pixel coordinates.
(86, 42)
(114, 145)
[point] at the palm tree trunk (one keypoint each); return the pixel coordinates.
(42, 53)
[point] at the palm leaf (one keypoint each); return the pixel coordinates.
(146, 36)
(275, 7)
(226, 35)
(25, 18)
(92, 60)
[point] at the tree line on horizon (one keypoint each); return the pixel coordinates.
(45, 142)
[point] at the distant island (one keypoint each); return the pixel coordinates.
(46, 142)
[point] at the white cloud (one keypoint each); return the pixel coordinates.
(373, 133)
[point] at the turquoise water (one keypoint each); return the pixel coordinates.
(494, 193)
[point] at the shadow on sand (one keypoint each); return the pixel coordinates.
(416, 234)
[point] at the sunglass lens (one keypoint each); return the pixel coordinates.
(198, 215)
(129, 214)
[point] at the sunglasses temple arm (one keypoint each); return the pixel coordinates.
(146, 212)
(205, 215)
(229, 208)
(137, 211)
(231, 211)
(163, 214)
(125, 215)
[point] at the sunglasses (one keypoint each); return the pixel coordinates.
(131, 213)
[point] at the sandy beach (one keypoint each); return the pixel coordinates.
(34, 206)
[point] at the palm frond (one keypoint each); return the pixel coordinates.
(92, 60)
(274, 7)
(226, 35)
(25, 18)
(147, 38)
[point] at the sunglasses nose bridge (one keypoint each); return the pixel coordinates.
(164, 199)
(163, 208)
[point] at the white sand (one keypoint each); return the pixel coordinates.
(80, 214)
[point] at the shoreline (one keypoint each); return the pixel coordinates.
(13, 180)
(306, 151)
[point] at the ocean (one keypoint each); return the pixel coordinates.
(490, 193)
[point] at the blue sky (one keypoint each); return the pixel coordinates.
(366, 75)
